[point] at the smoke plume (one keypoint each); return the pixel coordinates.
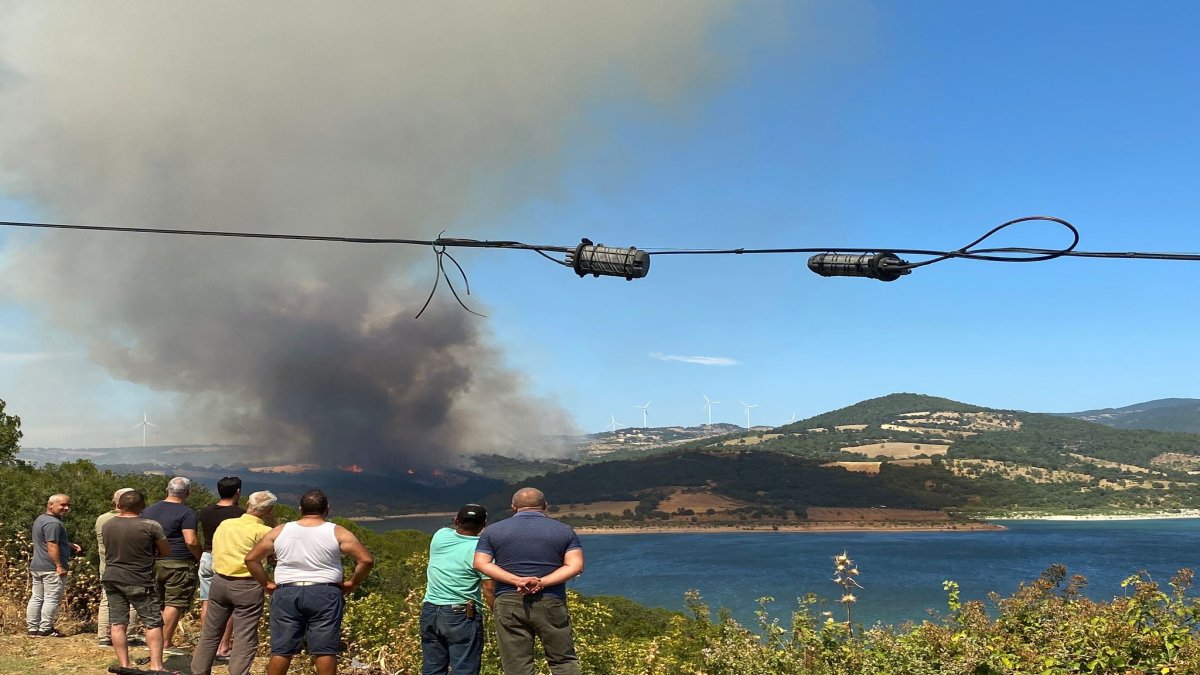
(377, 119)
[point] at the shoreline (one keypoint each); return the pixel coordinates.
(794, 529)
(984, 523)
(1149, 515)
(376, 519)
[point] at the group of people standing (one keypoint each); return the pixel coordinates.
(152, 561)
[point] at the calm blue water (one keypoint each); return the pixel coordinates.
(902, 573)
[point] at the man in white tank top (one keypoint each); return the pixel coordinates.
(308, 594)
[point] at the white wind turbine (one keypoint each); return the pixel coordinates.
(145, 424)
(708, 404)
(612, 426)
(748, 407)
(792, 419)
(644, 414)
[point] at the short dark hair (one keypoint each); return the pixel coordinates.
(313, 503)
(228, 486)
(133, 501)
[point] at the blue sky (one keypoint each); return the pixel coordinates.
(866, 124)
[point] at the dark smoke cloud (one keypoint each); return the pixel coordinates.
(387, 119)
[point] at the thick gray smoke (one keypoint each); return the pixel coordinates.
(384, 119)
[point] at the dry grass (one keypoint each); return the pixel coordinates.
(899, 450)
(699, 500)
(750, 440)
(959, 467)
(1177, 461)
(858, 467)
(876, 515)
(615, 507)
(1131, 468)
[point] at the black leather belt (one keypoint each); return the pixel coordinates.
(226, 577)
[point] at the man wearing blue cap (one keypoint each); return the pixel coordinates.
(451, 618)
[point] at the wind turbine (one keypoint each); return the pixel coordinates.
(792, 419)
(612, 426)
(644, 414)
(748, 407)
(145, 424)
(708, 404)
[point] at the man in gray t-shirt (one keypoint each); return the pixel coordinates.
(48, 567)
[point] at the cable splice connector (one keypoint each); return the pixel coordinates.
(600, 260)
(883, 266)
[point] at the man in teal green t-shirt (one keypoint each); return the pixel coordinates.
(451, 618)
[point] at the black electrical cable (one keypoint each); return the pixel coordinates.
(1006, 254)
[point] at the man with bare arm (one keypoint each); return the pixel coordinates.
(229, 489)
(48, 567)
(176, 572)
(308, 594)
(130, 546)
(235, 598)
(530, 557)
(102, 618)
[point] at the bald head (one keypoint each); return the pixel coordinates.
(58, 505)
(528, 498)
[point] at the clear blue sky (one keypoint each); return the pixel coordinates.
(865, 124)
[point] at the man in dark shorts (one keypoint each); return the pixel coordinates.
(307, 596)
(530, 557)
(130, 545)
(101, 521)
(175, 573)
(211, 517)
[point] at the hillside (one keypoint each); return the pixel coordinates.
(1166, 414)
(902, 451)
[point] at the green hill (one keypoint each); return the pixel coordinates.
(905, 451)
(1167, 414)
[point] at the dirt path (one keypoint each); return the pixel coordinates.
(77, 655)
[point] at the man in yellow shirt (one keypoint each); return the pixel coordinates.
(234, 593)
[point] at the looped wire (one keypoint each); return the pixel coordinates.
(439, 251)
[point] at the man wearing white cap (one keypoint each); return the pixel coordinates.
(102, 626)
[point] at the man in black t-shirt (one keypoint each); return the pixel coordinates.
(130, 545)
(176, 572)
(229, 489)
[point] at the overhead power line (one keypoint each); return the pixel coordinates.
(586, 258)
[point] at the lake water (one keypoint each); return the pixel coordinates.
(902, 572)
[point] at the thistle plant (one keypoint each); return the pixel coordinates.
(844, 573)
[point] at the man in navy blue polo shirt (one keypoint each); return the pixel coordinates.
(530, 557)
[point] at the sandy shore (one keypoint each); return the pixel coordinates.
(374, 519)
(799, 529)
(1150, 515)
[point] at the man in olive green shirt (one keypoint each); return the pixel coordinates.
(102, 627)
